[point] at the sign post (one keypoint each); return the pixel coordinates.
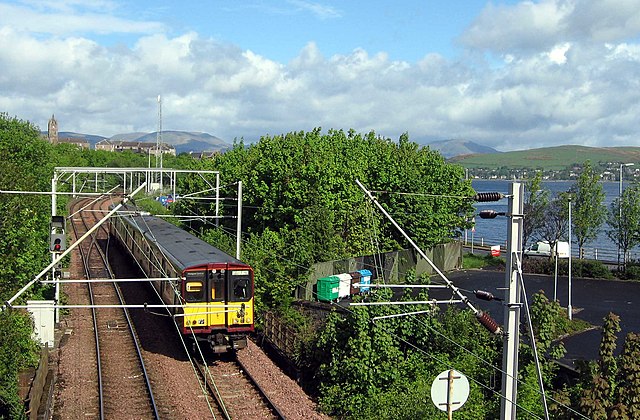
(450, 391)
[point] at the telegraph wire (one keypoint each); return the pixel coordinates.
(232, 233)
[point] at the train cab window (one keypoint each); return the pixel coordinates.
(195, 286)
(216, 280)
(240, 285)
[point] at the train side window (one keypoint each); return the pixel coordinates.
(240, 285)
(216, 280)
(195, 286)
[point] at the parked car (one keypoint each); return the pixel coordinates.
(543, 248)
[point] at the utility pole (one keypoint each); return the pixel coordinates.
(159, 141)
(513, 296)
(569, 309)
(624, 259)
(239, 221)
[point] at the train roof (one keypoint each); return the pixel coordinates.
(185, 249)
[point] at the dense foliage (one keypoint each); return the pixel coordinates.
(24, 222)
(589, 212)
(536, 201)
(301, 206)
(609, 387)
(623, 219)
(301, 203)
(384, 369)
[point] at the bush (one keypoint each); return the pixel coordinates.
(632, 272)
(538, 265)
(470, 261)
(586, 268)
(17, 352)
(580, 268)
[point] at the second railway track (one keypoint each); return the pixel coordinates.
(178, 391)
(124, 389)
(236, 393)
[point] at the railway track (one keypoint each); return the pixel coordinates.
(124, 389)
(181, 392)
(236, 393)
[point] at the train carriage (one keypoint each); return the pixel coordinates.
(215, 290)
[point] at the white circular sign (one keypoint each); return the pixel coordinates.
(450, 388)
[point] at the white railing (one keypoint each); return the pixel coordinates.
(592, 253)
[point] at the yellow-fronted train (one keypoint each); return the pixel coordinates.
(213, 299)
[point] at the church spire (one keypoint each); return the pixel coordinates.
(52, 130)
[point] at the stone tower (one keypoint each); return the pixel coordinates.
(52, 130)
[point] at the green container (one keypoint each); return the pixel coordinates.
(328, 288)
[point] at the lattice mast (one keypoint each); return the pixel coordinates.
(159, 141)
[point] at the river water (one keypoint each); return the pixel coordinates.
(494, 231)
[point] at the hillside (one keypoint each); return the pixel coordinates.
(183, 141)
(550, 158)
(456, 147)
(92, 139)
(186, 141)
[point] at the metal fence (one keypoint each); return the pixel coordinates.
(388, 267)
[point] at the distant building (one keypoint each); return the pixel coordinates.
(52, 135)
(136, 147)
(52, 130)
(203, 155)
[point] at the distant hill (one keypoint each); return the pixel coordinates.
(550, 158)
(128, 136)
(457, 147)
(92, 139)
(186, 141)
(183, 141)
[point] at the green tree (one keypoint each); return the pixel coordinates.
(623, 219)
(536, 201)
(588, 211)
(597, 396)
(384, 369)
(24, 223)
(300, 195)
(545, 319)
(628, 386)
(555, 224)
(17, 352)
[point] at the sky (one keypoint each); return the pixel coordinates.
(511, 75)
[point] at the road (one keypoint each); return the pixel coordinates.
(592, 300)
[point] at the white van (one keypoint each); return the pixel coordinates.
(543, 248)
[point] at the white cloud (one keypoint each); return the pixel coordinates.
(533, 26)
(557, 53)
(322, 11)
(71, 17)
(554, 84)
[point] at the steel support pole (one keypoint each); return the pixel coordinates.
(217, 198)
(239, 224)
(54, 210)
(513, 295)
(569, 309)
(70, 248)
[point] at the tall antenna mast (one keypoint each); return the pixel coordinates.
(159, 140)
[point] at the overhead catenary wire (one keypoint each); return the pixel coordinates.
(184, 344)
(480, 312)
(70, 248)
(87, 194)
(429, 311)
(482, 317)
(427, 353)
(195, 341)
